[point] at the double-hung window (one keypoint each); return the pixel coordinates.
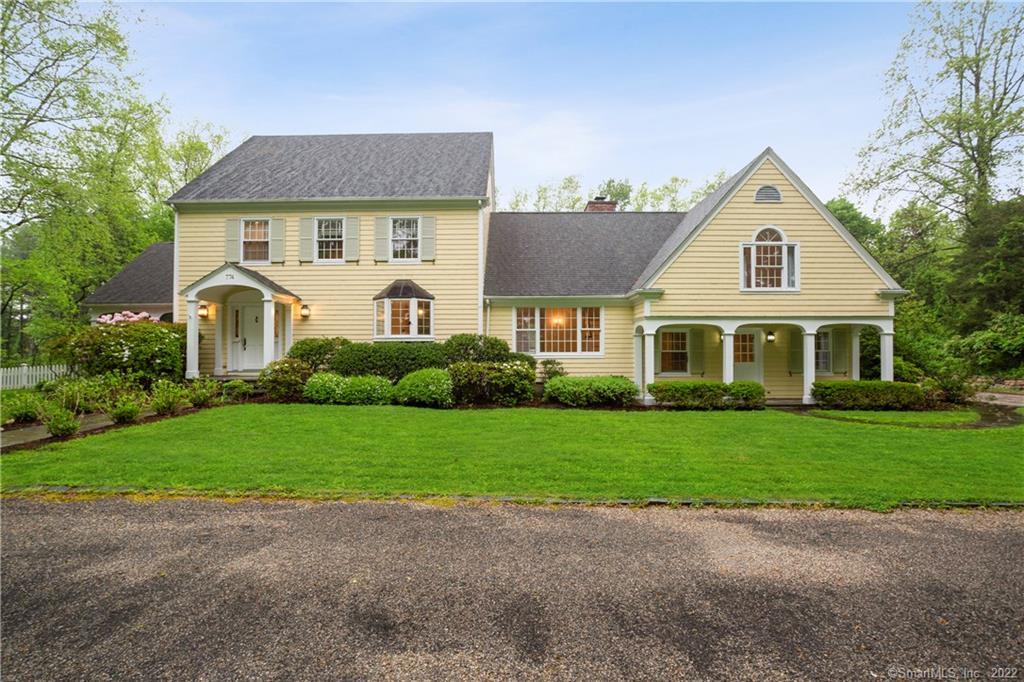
(256, 241)
(559, 331)
(405, 239)
(823, 351)
(403, 318)
(675, 352)
(330, 240)
(769, 262)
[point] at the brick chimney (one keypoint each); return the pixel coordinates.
(600, 204)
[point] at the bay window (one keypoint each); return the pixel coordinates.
(559, 331)
(769, 262)
(403, 318)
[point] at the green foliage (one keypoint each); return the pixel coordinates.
(148, 350)
(864, 229)
(904, 370)
(426, 388)
(551, 368)
(989, 270)
(329, 388)
(204, 392)
(997, 347)
(237, 390)
(21, 407)
(475, 348)
(868, 395)
(80, 395)
(497, 383)
(709, 395)
(60, 422)
(284, 379)
(392, 360)
(168, 397)
(567, 195)
(317, 352)
(124, 408)
(524, 357)
(591, 391)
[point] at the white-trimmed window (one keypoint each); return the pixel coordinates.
(769, 262)
(407, 318)
(255, 241)
(823, 351)
(675, 352)
(559, 331)
(329, 235)
(405, 239)
(767, 194)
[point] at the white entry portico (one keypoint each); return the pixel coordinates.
(252, 319)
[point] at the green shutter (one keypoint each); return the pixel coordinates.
(696, 359)
(428, 235)
(277, 226)
(840, 351)
(381, 238)
(351, 239)
(232, 240)
(305, 240)
(796, 351)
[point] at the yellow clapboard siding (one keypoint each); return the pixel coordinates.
(705, 278)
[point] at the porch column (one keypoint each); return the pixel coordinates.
(727, 357)
(192, 340)
(638, 363)
(268, 331)
(218, 338)
(287, 310)
(648, 364)
(808, 366)
(855, 353)
(885, 342)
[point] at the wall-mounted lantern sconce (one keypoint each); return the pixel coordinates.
(770, 337)
(204, 311)
(304, 311)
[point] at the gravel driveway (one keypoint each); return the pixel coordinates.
(210, 590)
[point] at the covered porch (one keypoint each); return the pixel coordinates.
(785, 355)
(251, 318)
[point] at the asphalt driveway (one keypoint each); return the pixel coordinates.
(210, 590)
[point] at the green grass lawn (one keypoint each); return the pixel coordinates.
(319, 451)
(936, 418)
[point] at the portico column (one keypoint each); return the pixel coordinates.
(855, 353)
(287, 310)
(885, 342)
(808, 367)
(192, 340)
(268, 331)
(218, 339)
(648, 362)
(727, 357)
(638, 363)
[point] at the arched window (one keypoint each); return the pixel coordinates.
(767, 194)
(769, 262)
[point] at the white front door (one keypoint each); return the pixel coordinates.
(747, 351)
(252, 337)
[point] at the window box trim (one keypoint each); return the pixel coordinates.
(413, 321)
(579, 333)
(242, 240)
(391, 239)
(317, 260)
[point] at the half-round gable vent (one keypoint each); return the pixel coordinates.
(768, 193)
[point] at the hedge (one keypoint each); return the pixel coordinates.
(317, 352)
(868, 395)
(709, 395)
(429, 387)
(334, 389)
(590, 391)
(497, 383)
(149, 349)
(392, 359)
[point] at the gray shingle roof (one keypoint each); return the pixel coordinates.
(285, 167)
(403, 288)
(148, 279)
(572, 254)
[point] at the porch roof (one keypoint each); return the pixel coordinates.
(256, 280)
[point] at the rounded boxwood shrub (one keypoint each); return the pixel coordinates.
(21, 408)
(475, 348)
(389, 359)
(364, 390)
(317, 352)
(284, 379)
(150, 350)
(745, 395)
(500, 383)
(426, 387)
(868, 395)
(60, 422)
(591, 391)
(321, 387)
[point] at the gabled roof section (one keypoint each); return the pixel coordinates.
(403, 288)
(262, 281)
(147, 280)
(703, 212)
(346, 167)
(572, 254)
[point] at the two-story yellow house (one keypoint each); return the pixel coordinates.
(393, 238)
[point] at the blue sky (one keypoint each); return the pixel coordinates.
(643, 91)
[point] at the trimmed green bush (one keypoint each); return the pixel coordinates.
(426, 387)
(590, 391)
(151, 350)
(868, 395)
(21, 407)
(284, 379)
(475, 348)
(321, 387)
(317, 352)
(691, 395)
(389, 359)
(60, 422)
(237, 390)
(168, 397)
(204, 392)
(524, 357)
(746, 395)
(551, 368)
(365, 390)
(125, 408)
(498, 383)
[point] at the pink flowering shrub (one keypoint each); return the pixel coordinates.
(151, 351)
(126, 316)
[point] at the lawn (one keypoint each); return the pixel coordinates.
(322, 451)
(934, 418)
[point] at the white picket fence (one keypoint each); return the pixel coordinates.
(27, 376)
